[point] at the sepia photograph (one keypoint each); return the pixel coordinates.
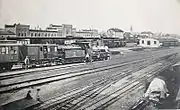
(89, 54)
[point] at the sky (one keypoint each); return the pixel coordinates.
(143, 15)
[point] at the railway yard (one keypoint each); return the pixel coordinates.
(114, 84)
(89, 55)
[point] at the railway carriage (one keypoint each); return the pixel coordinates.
(40, 53)
(10, 54)
(13, 53)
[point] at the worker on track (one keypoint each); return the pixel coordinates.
(87, 57)
(26, 62)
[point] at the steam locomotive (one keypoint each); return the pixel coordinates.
(41, 54)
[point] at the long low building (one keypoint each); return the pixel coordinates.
(149, 42)
(158, 42)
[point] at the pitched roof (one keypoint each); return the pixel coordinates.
(6, 26)
(116, 30)
(3, 32)
(148, 32)
(55, 25)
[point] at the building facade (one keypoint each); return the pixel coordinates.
(115, 33)
(42, 33)
(20, 30)
(87, 33)
(63, 30)
(52, 30)
(149, 43)
(67, 30)
(53, 27)
(6, 34)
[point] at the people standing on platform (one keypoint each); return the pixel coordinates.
(26, 62)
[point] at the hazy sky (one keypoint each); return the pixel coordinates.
(143, 15)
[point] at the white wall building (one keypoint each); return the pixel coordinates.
(149, 43)
(87, 33)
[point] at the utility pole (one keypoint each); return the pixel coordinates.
(131, 29)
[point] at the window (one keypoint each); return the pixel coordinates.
(12, 50)
(35, 34)
(21, 34)
(46, 34)
(24, 34)
(31, 34)
(51, 34)
(39, 34)
(142, 41)
(154, 42)
(41, 49)
(148, 42)
(55, 49)
(48, 49)
(67, 31)
(138, 42)
(3, 50)
(7, 50)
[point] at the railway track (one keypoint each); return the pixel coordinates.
(52, 78)
(4, 76)
(89, 95)
(90, 90)
(8, 75)
(8, 87)
(102, 102)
